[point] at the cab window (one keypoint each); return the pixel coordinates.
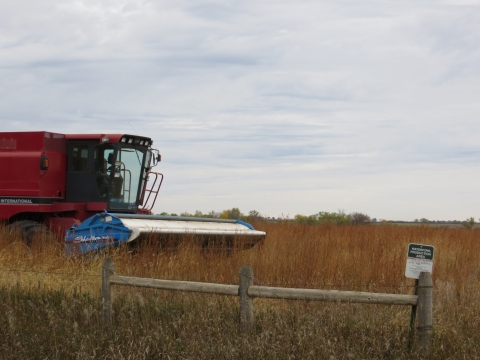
(79, 157)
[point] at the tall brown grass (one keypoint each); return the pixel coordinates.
(361, 258)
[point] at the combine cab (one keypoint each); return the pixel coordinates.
(92, 191)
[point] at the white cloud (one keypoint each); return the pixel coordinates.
(284, 107)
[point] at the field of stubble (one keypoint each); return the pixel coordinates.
(50, 306)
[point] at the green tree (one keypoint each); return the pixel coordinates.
(233, 213)
(332, 217)
(302, 219)
(323, 217)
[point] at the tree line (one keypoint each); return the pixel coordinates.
(322, 217)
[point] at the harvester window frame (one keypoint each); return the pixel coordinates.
(114, 205)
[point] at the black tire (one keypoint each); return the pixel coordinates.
(29, 230)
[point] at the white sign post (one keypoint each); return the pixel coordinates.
(419, 259)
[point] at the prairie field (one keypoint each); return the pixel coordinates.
(51, 305)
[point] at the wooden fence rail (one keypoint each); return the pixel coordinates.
(246, 291)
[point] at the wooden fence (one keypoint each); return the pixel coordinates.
(421, 303)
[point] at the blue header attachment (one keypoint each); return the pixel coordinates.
(96, 232)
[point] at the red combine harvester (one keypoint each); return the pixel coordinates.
(92, 191)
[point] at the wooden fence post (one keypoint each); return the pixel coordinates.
(413, 316)
(107, 292)
(246, 302)
(425, 313)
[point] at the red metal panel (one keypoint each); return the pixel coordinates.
(24, 141)
(20, 173)
(60, 225)
(64, 207)
(21, 179)
(96, 206)
(52, 181)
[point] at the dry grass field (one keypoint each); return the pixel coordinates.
(50, 305)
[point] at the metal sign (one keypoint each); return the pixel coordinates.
(419, 259)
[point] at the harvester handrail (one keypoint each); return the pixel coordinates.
(150, 191)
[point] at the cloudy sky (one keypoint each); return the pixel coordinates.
(286, 107)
